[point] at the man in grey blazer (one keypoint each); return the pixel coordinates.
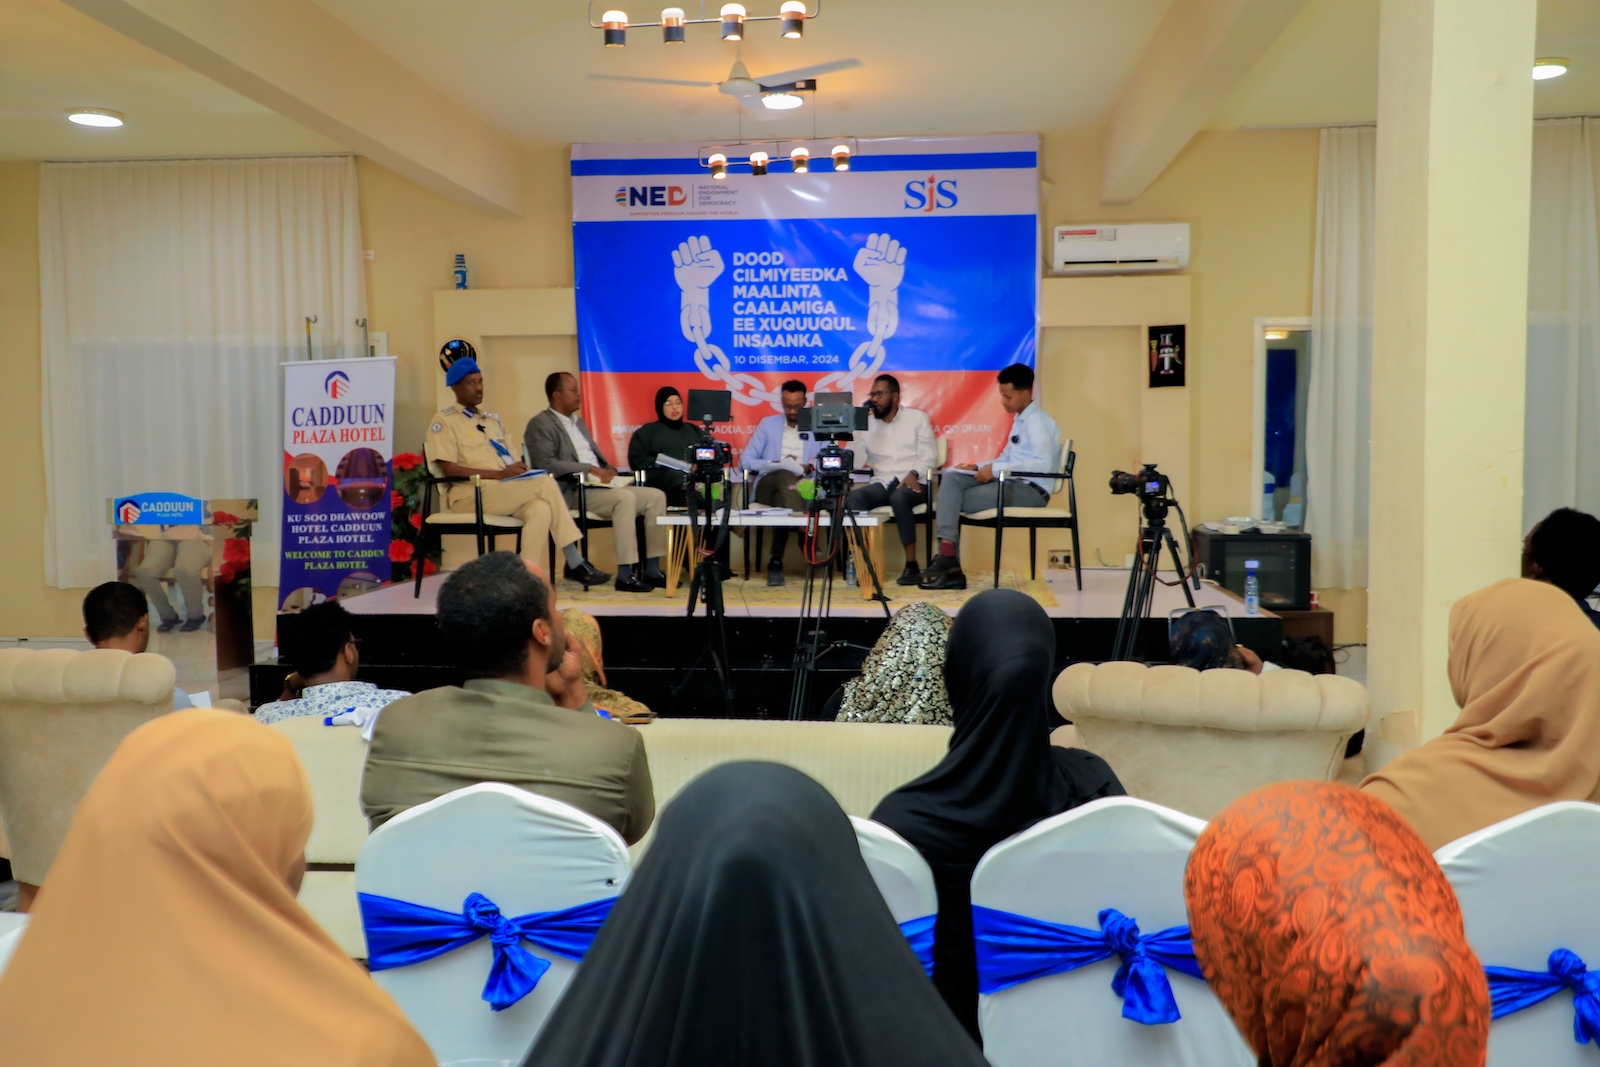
(558, 441)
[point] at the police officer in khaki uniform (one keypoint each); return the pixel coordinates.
(465, 440)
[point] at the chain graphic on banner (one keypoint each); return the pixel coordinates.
(881, 264)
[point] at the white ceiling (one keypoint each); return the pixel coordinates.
(930, 66)
(53, 58)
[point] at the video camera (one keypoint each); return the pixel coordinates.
(1148, 484)
(833, 418)
(708, 457)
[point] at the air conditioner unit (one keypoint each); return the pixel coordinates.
(1121, 248)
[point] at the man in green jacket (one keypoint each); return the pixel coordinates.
(498, 620)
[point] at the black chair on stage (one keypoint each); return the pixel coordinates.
(1002, 518)
(439, 524)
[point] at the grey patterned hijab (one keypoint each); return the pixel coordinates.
(902, 679)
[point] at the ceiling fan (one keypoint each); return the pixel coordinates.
(750, 89)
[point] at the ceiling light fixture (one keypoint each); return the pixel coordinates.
(1551, 67)
(758, 163)
(801, 159)
(791, 16)
(672, 25)
(841, 157)
(718, 164)
(781, 101)
(94, 116)
(1276, 335)
(758, 155)
(615, 25)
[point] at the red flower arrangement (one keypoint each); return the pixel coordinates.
(401, 551)
(224, 518)
(235, 559)
(405, 527)
(397, 501)
(406, 461)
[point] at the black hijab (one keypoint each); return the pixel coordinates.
(661, 403)
(1000, 776)
(751, 933)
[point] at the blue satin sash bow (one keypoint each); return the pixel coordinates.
(1013, 949)
(400, 934)
(920, 933)
(1511, 990)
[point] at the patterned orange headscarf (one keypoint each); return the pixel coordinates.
(1331, 936)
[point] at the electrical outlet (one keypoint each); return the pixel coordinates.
(1060, 559)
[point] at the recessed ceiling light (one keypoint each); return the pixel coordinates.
(93, 116)
(1277, 335)
(1545, 69)
(781, 101)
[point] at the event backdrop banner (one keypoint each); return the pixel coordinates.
(338, 439)
(921, 261)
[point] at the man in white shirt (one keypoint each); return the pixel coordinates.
(559, 442)
(899, 448)
(325, 655)
(1034, 444)
(116, 615)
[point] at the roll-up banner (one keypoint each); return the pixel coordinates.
(921, 261)
(338, 439)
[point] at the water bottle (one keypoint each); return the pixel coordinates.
(1252, 587)
(850, 569)
(461, 270)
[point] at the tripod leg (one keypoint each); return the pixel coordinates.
(1177, 565)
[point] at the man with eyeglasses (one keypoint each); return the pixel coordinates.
(900, 449)
(325, 656)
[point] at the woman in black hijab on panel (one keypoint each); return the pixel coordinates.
(751, 933)
(1000, 776)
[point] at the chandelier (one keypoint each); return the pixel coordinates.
(791, 17)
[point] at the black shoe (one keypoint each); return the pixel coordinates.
(944, 579)
(774, 574)
(655, 581)
(942, 563)
(631, 584)
(167, 625)
(910, 576)
(588, 574)
(191, 625)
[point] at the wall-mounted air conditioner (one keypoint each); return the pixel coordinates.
(1121, 248)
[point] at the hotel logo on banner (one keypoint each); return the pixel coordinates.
(337, 424)
(166, 509)
(337, 385)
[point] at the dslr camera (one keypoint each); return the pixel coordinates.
(1148, 485)
(832, 418)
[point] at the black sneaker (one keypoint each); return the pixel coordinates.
(910, 576)
(774, 574)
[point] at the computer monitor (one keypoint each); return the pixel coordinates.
(709, 405)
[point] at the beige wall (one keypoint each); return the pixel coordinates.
(1249, 197)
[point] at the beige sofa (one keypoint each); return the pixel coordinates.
(62, 713)
(1195, 740)
(857, 762)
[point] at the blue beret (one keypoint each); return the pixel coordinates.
(460, 369)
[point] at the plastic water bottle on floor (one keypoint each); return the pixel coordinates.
(1252, 587)
(461, 270)
(850, 569)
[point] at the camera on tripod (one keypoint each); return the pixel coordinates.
(1148, 484)
(833, 418)
(708, 457)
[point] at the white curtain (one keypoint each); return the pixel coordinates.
(170, 292)
(1562, 461)
(1339, 403)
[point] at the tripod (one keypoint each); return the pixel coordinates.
(705, 584)
(1153, 533)
(808, 653)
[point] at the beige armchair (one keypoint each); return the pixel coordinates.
(1195, 740)
(62, 713)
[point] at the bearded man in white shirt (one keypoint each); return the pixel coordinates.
(900, 449)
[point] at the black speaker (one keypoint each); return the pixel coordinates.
(1284, 573)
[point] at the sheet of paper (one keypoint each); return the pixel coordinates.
(784, 464)
(525, 474)
(664, 460)
(201, 699)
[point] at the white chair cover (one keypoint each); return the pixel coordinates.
(898, 869)
(1527, 886)
(12, 927)
(524, 852)
(1118, 853)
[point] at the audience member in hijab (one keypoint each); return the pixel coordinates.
(1330, 935)
(751, 933)
(583, 629)
(169, 932)
(1563, 549)
(669, 435)
(1525, 671)
(1000, 776)
(902, 679)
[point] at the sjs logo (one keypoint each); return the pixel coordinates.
(652, 196)
(931, 194)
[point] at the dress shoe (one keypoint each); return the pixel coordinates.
(588, 574)
(632, 584)
(774, 574)
(942, 563)
(191, 625)
(951, 578)
(655, 581)
(167, 625)
(910, 576)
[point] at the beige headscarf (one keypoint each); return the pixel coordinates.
(1525, 670)
(166, 933)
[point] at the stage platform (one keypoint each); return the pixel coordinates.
(650, 643)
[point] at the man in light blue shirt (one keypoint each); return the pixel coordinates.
(1034, 444)
(778, 438)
